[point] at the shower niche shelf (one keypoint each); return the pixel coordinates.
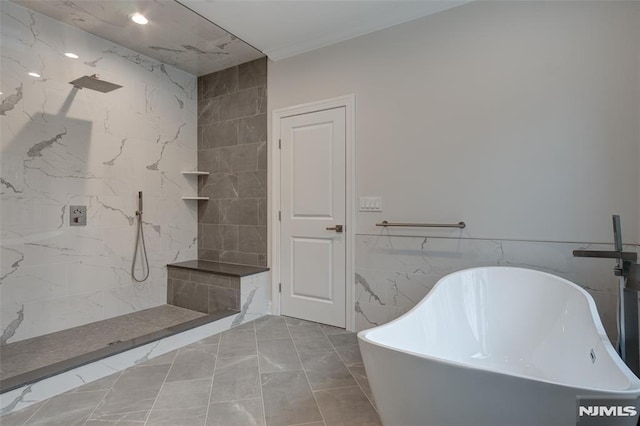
(194, 173)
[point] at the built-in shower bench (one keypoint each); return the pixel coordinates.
(209, 287)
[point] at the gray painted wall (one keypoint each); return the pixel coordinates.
(520, 118)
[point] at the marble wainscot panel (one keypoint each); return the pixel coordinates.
(32, 394)
(61, 146)
(254, 297)
(394, 273)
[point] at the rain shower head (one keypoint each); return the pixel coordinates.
(94, 83)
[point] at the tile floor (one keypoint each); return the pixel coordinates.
(273, 371)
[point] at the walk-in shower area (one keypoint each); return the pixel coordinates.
(102, 185)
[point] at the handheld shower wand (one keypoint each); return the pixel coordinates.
(139, 211)
(139, 237)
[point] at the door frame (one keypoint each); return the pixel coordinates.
(273, 201)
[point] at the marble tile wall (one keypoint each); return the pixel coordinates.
(255, 293)
(394, 273)
(61, 146)
(177, 36)
(232, 135)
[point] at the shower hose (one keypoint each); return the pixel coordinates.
(144, 257)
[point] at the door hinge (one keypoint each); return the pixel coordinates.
(279, 143)
(280, 216)
(279, 287)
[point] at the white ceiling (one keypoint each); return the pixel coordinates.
(281, 29)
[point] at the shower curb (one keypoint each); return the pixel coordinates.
(29, 394)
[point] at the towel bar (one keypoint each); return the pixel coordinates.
(423, 225)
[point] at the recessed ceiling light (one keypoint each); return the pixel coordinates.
(34, 74)
(71, 55)
(139, 19)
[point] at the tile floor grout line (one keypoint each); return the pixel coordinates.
(215, 365)
(31, 416)
(349, 370)
(340, 358)
(264, 411)
(101, 400)
(182, 381)
(124, 413)
(307, 350)
(164, 381)
(304, 424)
(353, 377)
(362, 389)
(304, 370)
(335, 350)
(128, 412)
(338, 387)
(283, 371)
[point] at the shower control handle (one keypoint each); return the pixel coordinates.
(337, 228)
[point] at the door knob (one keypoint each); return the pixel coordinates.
(337, 228)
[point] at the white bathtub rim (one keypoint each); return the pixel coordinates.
(634, 382)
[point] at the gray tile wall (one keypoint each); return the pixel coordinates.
(202, 291)
(232, 139)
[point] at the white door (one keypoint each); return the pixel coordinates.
(313, 193)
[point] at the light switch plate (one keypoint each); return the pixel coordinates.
(370, 204)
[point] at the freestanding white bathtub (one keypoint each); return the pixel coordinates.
(496, 346)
